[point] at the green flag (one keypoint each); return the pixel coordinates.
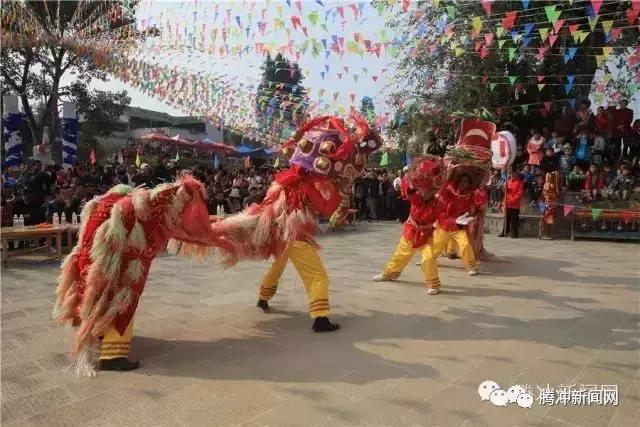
(384, 161)
(525, 108)
(512, 53)
(595, 213)
(512, 79)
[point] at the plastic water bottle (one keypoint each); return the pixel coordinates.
(56, 220)
(15, 221)
(21, 221)
(74, 219)
(63, 220)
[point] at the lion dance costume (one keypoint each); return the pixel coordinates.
(326, 158)
(424, 178)
(104, 276)
(470, 161)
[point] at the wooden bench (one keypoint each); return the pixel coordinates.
(10, 234)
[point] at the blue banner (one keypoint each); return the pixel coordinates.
(12, 122)
(69, 142)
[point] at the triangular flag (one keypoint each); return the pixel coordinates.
(547, 105)
(501, 43)
(476, 22)
(512, 79)
(543, 33)
(552, 39)
(92, 157)
(384, 160)
(632, 14)
(276, 164)
(486, 5)
(615, 33)
(595, 213)
(557, 25)
(451, 11)
(177, 156)
(567, 209)
(509, 20)
(606, 26)
(525, 108)
(606, 51)
(595, 4)
(512, 53)
(488, 38)
(138, 160)
(552, 14)
(593, 22)
(540, 86)
(525, 4)
(540, 78)
(458, 51)
(499, 31)
(492, 86)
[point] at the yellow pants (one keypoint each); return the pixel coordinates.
(441, 239)
(305, 259)
(452, 248)
(401, 257)
(115, 345)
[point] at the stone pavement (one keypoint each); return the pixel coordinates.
(557, 313)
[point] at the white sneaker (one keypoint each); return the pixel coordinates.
(381, 278)
(433, 291)
(473, 272)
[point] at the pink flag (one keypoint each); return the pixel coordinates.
(488, 38)
(595, 4)
(567, 209)
(486, 5)
(558, 24)
(509, 20)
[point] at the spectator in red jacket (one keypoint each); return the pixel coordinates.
(514, 189)
(623, 117)
(594, 183)
(601, 121)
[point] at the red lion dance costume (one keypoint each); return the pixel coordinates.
(103, 278)
(326, 159)
(423, 180)
(462, 197)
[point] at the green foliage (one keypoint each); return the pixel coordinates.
(368, 111)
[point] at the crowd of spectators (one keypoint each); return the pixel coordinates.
(598, 157)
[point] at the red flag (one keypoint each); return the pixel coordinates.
(509, 20)
(615, 33)
(405, 5)
(484, 52)
(247, 162)
(626, 216)
(574, 27)
(375, 78)
(632, 14)
(540, 78)
(595, 4)
(92, 157)
(552, 39)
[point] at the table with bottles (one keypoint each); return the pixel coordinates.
(12, 236)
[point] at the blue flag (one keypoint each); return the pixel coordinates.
(216, 162)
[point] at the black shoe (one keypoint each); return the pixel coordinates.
(452, 256)
(263, 304)
(501, 235)
(323, 324)
(118, 364)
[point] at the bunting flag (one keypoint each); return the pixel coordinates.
(384, 160)
(177, 158)
(276, 164)
(138, 160)
(247, 162)
(595, 213)
(567, 210)
(92, 157)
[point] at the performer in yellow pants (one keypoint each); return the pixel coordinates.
(441, 238)
(306, 261)
(115, 350)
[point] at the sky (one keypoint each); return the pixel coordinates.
(190, 23)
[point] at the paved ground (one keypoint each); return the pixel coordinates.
(557, 313)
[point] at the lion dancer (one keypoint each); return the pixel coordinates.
(326, 158)
(424, 179)
(101, 281)
(550, 194)
(469, 163)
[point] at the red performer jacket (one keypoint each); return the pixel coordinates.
(598, 180)
(418, 228)
(515, 188)
(454, 204)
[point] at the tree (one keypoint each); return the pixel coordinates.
(449, 66)
(281, 101)
(368, 111)
(40, 55)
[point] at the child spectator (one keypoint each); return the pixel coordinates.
(601, 121)
(623, 184)
(495, 188)
(566, 162)
(535, 148)
(535, 191)
(583, 150)
(607, 175)
(553, 142)
(594, 183)
(623, 117)
(576, 179)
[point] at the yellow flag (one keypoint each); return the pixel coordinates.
(477, 24)
(138, 160)
(459, 51)
(600, 59)
(276, 164)
(543, 33)
(606, 26)
(540, 86)
(606, 51)
(593, 22)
